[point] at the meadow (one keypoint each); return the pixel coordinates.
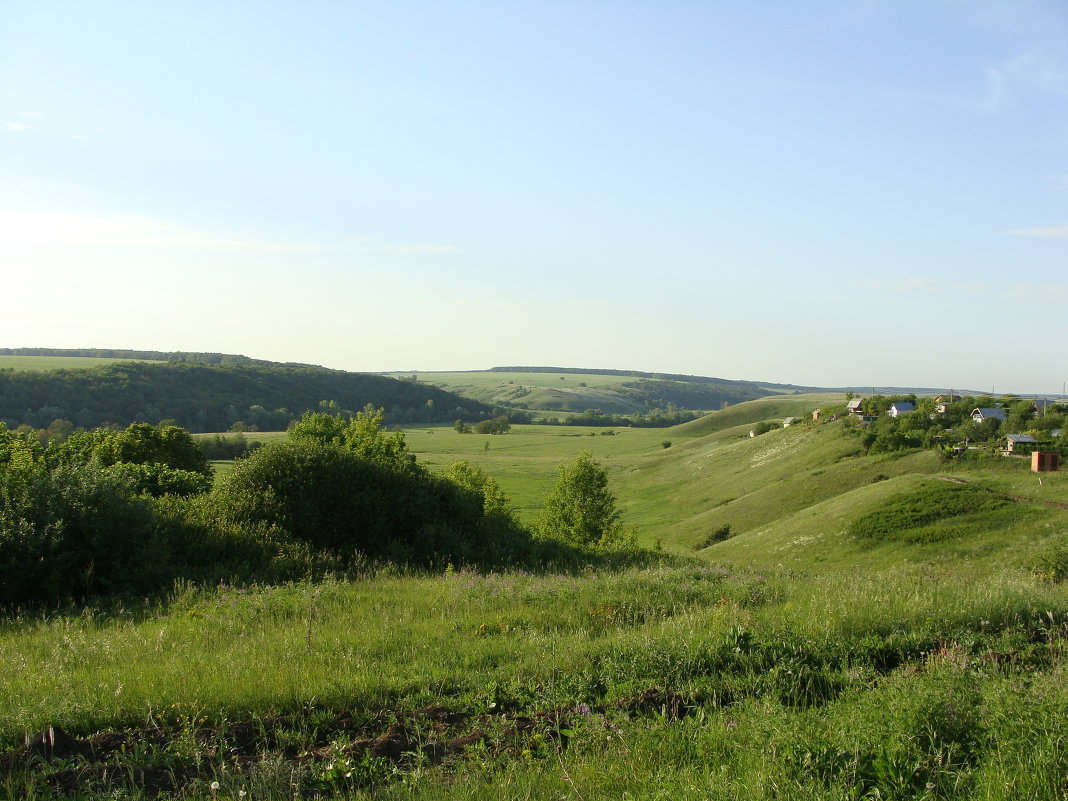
(814, 622)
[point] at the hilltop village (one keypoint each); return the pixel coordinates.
(958, 426)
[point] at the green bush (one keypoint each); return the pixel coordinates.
(157, 479)
(71, 532)
(332, 498)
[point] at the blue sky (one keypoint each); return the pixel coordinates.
(829, 193)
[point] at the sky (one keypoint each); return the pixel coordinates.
(824, 193)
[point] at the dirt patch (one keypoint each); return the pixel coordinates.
(170, 760)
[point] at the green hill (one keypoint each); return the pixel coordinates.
(214, 397)
(564, 391)
(793, 497)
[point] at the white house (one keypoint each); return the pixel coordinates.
(901, 407)
(979, 415)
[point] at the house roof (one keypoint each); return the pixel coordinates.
(854, 403)
(903, 406)
(1021, 439)
(985, 413)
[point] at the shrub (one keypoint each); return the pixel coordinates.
(71, 532)
(580, 509)
(334, 499)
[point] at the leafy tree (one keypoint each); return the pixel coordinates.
(495, 425)
(466, 475)
(461, 427)
(139, 443)
(362, 434)
(580, 509)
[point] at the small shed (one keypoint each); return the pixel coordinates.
(1045, 461)
(1019, 443)
(789, 421)
(854, 406)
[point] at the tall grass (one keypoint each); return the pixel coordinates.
(911, 682)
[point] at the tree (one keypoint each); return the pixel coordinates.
(580, 509)
(362, 434)
(466, 475)
(495, 425)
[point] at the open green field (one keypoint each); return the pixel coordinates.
(821, 624)
(38, 363)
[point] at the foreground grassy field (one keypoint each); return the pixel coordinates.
(821, 624)
(685, 681)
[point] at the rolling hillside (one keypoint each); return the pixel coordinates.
(789, 497)
(562, 391)
(213, 397)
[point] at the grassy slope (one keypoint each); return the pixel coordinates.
(787, 495)
(551, 392)
(557, 391)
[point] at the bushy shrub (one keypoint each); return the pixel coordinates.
(157, 479)
(332, 498)
(71, 532)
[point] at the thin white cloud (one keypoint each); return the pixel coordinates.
(901, 285)
(15, 126)
(33, 115)
(1034, 71)
(20, 228)
(1053, 231)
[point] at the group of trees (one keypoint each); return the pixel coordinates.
(129, 511)
(211, 397)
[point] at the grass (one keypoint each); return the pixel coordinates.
(671, 682)
(42, 363)
(783, 494)
(885, 626)
(558, 394)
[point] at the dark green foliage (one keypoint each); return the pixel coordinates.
(495, 425)
(213, 397)
(333, 498)
(139, 444)
(764, 426)
(916, 516)
(158, 479)
(71, 531)
(718, 535)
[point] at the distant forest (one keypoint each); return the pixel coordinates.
(212, 397)
(151, 356)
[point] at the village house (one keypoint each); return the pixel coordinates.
(901, 407)
(854, 406)
(979, 415)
